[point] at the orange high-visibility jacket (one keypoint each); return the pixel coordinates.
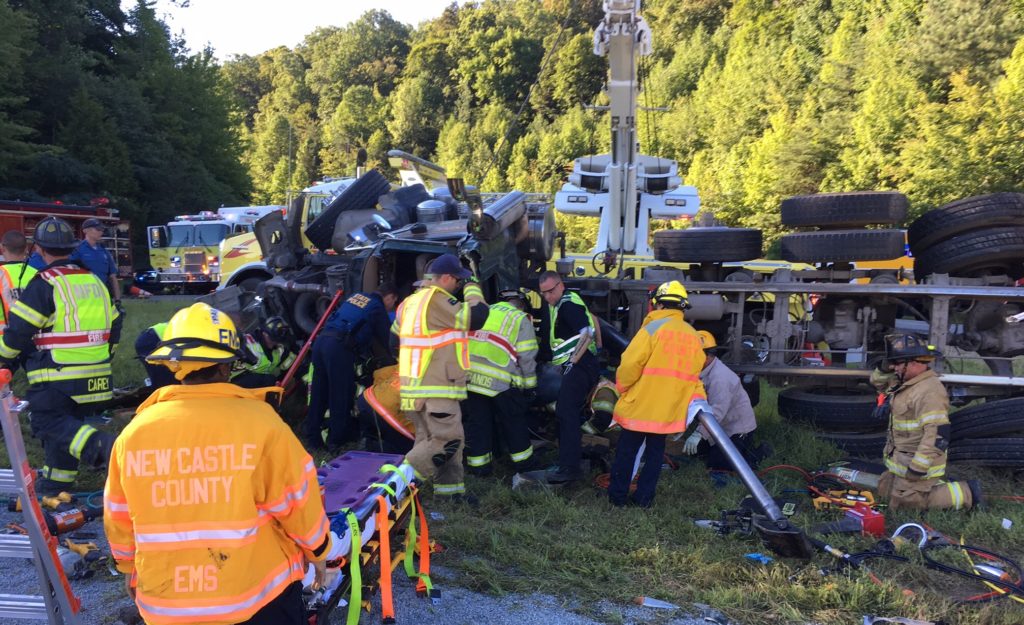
(212, 503)
(659, 375)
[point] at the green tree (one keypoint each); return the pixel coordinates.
(16, 29)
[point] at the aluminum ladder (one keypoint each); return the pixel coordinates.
(57, 604)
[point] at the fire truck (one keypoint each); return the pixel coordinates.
(186, 251)
(23, 216)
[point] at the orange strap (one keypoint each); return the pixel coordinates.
(387, 603)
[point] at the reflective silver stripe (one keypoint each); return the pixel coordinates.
(123, 555)
(523, 455)
(179, 537)
(92, 398)
(449, 489)
(479, 461)
(288, 499)
(28, 314)
(222, 609)
(59, 475)
(435, 339)
(116, 507)
(78, 442)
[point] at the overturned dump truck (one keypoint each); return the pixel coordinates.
(369, 233)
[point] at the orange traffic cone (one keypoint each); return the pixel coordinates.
(137, 292)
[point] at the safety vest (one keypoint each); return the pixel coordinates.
(420, 345)
(494, 352)
(80, 331)
(562, 349)
(266, 365)
(14, 277)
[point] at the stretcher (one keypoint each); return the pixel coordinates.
(377, 522)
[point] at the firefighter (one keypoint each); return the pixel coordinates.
(269, 355)
(659, 379)
(65, 328)
(157, 376)
(433, 327)
(212, 506)
(567, 327)
(731, 405)
(15, 272)
(915, 452)
(357, 330)
(502, 380)
(92, 255)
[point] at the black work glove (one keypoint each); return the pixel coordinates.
(120, 308)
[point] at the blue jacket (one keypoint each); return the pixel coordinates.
(96, 259)
(363, 319)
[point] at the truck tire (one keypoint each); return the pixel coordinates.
(359, 195)
(308, 309)
(992, 418)
(842, 246)
(869, 445)
(955, 218)
(707, 245)
(856, 208)
(988, 452)
(989, 251)
(831, 410)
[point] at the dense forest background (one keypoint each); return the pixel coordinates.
(765, 98)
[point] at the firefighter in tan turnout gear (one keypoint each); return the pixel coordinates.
(212, 506)
(433, 328)
(915, 454)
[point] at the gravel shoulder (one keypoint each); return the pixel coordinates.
(102, 598)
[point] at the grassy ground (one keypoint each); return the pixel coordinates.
(573, 544)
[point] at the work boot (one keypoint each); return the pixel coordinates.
(96, 452)
(977, 497)
(48, 488)
(563, 475)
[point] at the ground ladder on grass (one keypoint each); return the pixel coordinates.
(57, 604)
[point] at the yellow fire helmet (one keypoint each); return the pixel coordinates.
(671, 293)
(195, 338)
(707, 340)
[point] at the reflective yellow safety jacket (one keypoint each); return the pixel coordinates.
(433, 356)
(65, 314)
(918, 427)
(212, 504)
(563, 349)
(659, 375)
(14, 277)
(503, 353)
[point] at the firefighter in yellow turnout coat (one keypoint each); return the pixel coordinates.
(659, 378)
(212, 506)
(915, 453)
(433, 328)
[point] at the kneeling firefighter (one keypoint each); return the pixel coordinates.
(68, 327)
(915, 453)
